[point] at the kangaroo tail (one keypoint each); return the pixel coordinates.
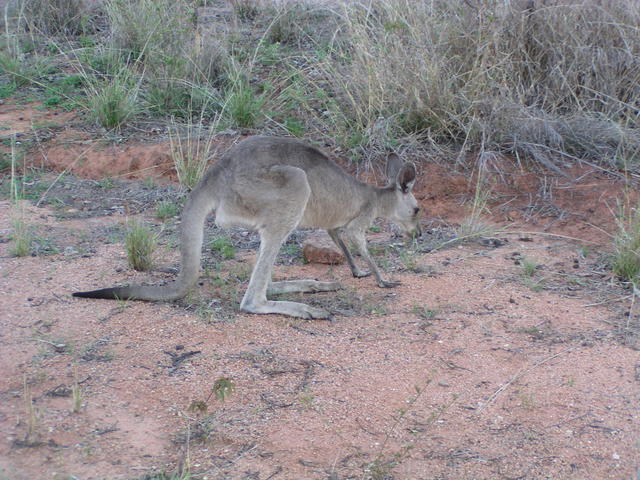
(194, 214)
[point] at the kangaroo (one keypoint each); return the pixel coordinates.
(274, 185)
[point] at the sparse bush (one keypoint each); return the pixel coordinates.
(246, 9)
(151, 30)
(223, 388)
(208, 61)
(290, 22)
(181, 69)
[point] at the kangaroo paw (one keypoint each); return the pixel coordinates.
(361, 273)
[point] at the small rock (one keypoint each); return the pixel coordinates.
(319, 248)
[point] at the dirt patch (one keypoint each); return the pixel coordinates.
(21, 120)
(583, 204)
(78, 154)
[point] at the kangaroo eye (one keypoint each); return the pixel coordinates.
(416, 210)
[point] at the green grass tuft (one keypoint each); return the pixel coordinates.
(22, 238)
(166, 210)
(626, 260)
(223, 246)
(113, 102)
(140, 244)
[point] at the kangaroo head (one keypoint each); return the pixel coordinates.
(404, 211)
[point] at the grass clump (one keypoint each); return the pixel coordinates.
(243, 105)
(22, 238)
(113, 102)
(140, 244)
(424, 312)
(22, 235)
(76, 396)
(52, 17)
(223, 246)
(245, 9)
(473, 225)
(150, 31)
(15, 69)
(529, 278)
(291, 23)
(191, 148)
(626, 260)
(529, 267)
(166, 210)
(172, 97)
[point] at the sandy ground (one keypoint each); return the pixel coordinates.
(469, 370)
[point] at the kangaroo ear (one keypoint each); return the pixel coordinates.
(406, 177)
(394, 164)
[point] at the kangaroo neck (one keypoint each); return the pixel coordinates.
(385, 201)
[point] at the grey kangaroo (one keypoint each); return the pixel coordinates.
(274, 185)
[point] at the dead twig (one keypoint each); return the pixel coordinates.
(176, 359)
(519, 375)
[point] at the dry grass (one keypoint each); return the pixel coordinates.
(626, 260)
(48, 17)
(553, 82)
(192, 146)
(539, 82)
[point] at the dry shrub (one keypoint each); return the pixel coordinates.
(297, 23)
(50, 17)
(155, 31)
(533, 78)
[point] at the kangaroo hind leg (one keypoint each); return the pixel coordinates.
(283, 204)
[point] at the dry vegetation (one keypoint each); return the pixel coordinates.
(552, 82)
